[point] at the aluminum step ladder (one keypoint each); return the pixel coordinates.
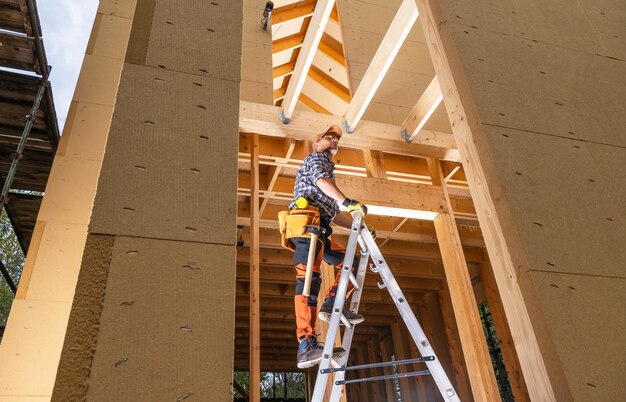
(360, 236)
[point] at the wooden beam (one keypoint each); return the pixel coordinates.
(513, 371)
(283, 70)
(254, 336)
(329, 83)
(312, 105)
(328, 50)
(392, 42)
(423, 109)
(241, 390)
(263, 119)
(307, 52)
(300, 9)
(289, 144)
(279, 93)
(486, 191)
(288, 43)
(375, 164)
(477, 358)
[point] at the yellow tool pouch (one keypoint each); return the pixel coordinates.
(293, 224)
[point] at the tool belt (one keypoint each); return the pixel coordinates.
(293, 223)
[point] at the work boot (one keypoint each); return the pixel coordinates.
(338, 351)
(327, 310)
(309, 353)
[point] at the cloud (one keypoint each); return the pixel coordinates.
(65, 27)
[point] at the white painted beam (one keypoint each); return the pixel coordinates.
(390, 46)
(424, 108)
(309, 47)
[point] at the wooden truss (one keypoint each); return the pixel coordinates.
(438, 262)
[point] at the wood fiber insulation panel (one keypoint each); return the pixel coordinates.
(166, 323)
(586, 316)
(72, 378)
(542, 88)
(566, 208)
(123, 9)
(195, 37)
(256, 56)
(591, 26)
(170, 164)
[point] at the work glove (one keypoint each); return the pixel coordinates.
(354, 205)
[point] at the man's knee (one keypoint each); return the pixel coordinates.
(316, 283)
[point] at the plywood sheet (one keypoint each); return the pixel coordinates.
(202, 38)
(586, 316)
(560, 201)
(171, 159)
(166, 323)
(589, 26)
(542, 88)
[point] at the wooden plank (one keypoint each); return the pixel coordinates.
(255, 276)
(274, 172)
(486, 193)
(263, 119)
(303, 64)
(423, 109)
(477, 358)
(513, 371)
(311, 104)
(329, 83)
(328, 50)
(283, 70)
(288, 43)
(390, 46)
(292, 11)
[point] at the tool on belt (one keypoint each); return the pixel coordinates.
(302, 221)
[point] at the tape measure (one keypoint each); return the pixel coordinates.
(302, 203)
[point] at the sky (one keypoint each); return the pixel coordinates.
(65, 27)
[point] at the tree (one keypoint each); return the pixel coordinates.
(13, 259)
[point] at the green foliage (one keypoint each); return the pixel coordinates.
(13, 259)
(273, 384)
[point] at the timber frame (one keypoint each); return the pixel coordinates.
(445, 266)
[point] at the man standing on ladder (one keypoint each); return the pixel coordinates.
(315, 189)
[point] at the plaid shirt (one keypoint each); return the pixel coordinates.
(316, 166)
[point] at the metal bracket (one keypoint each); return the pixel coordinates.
(281, 117)
(406, 137)
(347, 127)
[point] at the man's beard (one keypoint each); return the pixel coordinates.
(332, 151)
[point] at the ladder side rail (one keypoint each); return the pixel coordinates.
(349, 332)
(418, 335)
(340, 296)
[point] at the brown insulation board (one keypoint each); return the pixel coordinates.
(561, 204)
(591, 26)
(543, 88)
(166, 328)
(587, 317)
(171, 159)
(196, 37)
(82, 329)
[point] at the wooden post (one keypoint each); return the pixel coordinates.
(458, 360)
(400, 352)
(373, 354)
(479, 367)
(255, 294)
(486, 194)
(365, 387)
(514, 373)
(385, 351)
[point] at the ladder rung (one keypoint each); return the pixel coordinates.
(384, 377)
(382, 364)
(355, 284)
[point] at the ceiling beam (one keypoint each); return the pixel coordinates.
(288, 43)
(329, 83)
(423, 109)
(307, 52)
(312, 105)
(283, 70)
(390, 46)
(263, 119)
(292, 11)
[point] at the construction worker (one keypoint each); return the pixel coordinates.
(315, 187)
